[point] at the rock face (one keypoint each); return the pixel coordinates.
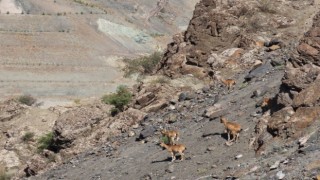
(10, 109)
(300, 87)
(78, 122)
(212, 30)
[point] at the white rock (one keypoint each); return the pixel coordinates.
(280, 175)
(275, 165)
(172, 107)
(131, 133)
(239, 156)
(135, 126)
(254, 168)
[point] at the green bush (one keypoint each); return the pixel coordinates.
(165, 139)
(142, 65)
(119, 99)
(27, 100)
(28, 136)
(45, 142)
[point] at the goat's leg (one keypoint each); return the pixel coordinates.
(171, 139)
(182, 156)
(234, 137)
(237, 136)
(173, 157)
(177, 138)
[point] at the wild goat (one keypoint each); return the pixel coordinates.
(228, 82)
(231, 128)
(265, 102)
(171, 134)
(174, 149)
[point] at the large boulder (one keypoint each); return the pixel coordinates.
(299, 93)
(78, 122)
(10, 109)
(35, 165)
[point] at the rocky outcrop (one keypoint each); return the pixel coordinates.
(10, 109)
(300, 88)
(247, 26)
(214, 28)
(78, 122)
(151, 98)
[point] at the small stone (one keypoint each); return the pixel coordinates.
(239, 156)
(172, 107)
(280, 175)
(211, 148)
(131, 133)
(254, 168)
(285, 161)
(135, 126)
(254, 114)
(214, 166)
(170, 168)
(273, 48)
(275, 165)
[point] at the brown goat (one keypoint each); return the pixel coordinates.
(228, 82)
(174, 149)
(265, 102)
(231, 128)
(171, 134)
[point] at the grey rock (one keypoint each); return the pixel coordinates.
(147, 132)
(214, 112)
(185, 96)
(259, 71)
(211, 148)
(260, 92)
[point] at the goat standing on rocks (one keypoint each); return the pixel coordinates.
(174, 149)
(229, 83)
(231, 128)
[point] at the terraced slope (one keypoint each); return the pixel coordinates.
(70, 49)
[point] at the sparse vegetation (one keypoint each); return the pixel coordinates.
(266, 6)
(28, 136)
(4, 176)
(77, 101)
(45, 141)
(165, 139)
(27, 100)
(154, 35)
(142, 65)
(254, 24)
(161, 80)
(119, 99)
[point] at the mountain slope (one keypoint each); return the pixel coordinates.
(269, 62)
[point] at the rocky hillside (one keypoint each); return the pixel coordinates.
(270, 49)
